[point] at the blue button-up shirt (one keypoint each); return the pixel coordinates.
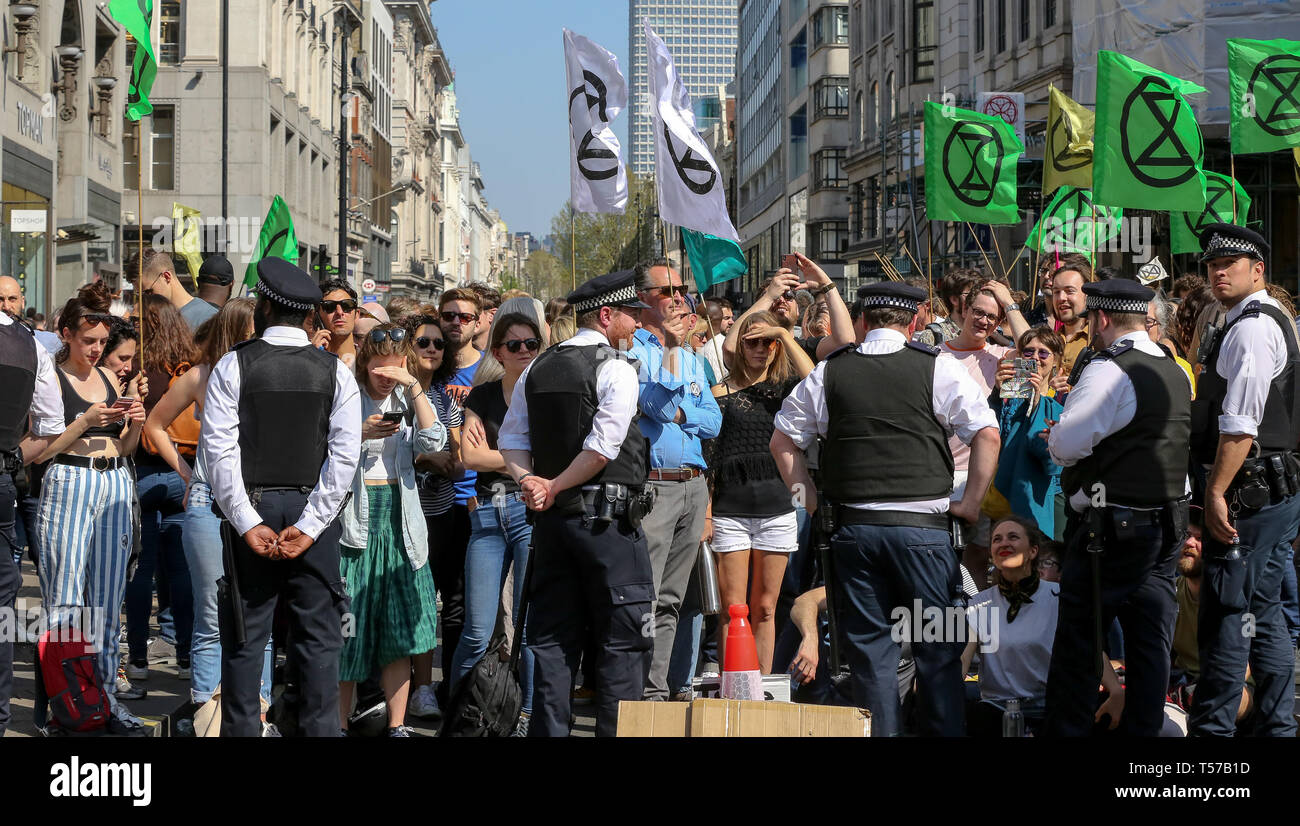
(661, 394)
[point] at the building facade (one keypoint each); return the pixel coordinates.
(701, 36)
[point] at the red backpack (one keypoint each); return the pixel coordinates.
(77, 698)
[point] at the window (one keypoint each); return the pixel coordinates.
(831, 26)
(798, 143)
(169, 33)
(893, 96)
(1024, 20)
(798, 62)
(162, 147)
(829, 239)
(1001, 24)
(979, 25)
(873, 114)
(858, 103)
(1049, 13)
(831, 98)
(923, 45)
(828, 169)
(130, 148)
(871, 20)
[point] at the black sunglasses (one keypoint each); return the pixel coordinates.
(465, 318)
(347, 304)
(425, 341)
(395, 335)
(514, 344)
(99, 318)
(667, 292)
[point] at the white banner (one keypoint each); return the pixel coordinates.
(687, 178)
(597, 93)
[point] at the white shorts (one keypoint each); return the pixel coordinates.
(774, 534)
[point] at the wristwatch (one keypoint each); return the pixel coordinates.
(1013, 306)
(820, 291)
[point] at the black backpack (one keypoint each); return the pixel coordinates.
(487, 701)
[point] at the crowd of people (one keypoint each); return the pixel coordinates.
(361, 486)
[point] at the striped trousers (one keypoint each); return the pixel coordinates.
(84, 536)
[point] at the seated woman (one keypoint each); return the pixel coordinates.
(384, 547)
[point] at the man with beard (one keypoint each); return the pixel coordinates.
(338, 316)
(1069, 306)
(777, 296)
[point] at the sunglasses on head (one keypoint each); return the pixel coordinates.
(464, 318)
(395, 335)
(514, 344)
(424, 341)
(347, 304)
(667, 292)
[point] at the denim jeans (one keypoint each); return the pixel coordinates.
(499, 534)
(162, 520)
(203, 553)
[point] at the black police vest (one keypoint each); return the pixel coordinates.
(18, 378)
(883, 442)
(285, 398)
(561, 395)
(1280, 428)
(1144, 463)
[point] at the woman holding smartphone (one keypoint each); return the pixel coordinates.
(84, 528)
(384, 547)
(201, 533)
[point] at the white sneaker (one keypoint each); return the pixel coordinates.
(423, 703)
(139, 673)
(127, 691)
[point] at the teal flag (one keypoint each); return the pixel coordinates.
(713, 259)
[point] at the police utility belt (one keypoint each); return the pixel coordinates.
(11, 461)
(1263, 480)
(608, 501)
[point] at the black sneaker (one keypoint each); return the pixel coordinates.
(400, 731)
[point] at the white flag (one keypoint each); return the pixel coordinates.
(686, 176)
(1152, 272)
(597, 93)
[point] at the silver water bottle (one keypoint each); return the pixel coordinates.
(707, 571)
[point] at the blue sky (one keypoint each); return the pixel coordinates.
(508, 56)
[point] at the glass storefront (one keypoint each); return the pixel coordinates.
(24, 255)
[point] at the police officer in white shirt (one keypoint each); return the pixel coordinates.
(1122, 439)
(571, 440)
(1245, 424)
(281, 438)
(886, 410)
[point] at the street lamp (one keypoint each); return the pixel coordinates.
(69, 59)
(23, 25)
(103, 102)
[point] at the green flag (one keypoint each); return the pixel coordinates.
(1068, 220)
(1149, 150)
(1264, 94)
(1185, 227)
(713, 259)
(276, 239)
(970, 166)
(136, 16)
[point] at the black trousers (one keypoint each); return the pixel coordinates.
(313, 592)
(447, 557)
(1137, 587)
(588, 578)
(9, 582)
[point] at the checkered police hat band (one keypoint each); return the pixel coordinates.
(619, 296)
(1117, 305)
(889, 301)
(1238, 246)
(264, 289)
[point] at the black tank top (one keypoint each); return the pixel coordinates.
(74, 406)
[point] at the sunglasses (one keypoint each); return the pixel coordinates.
(424, 341)
(99, 318)
(667, 292)
(1041, 355)
(758, 343)
(395, 335)
(463, 318)
(347, 304)
(514, 344)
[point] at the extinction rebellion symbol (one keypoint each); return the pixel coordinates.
(1062, 136)
(694, 164)
(961, 165)
(585, 152)
(1282, 73)
(1164, 162)
(1216, 190)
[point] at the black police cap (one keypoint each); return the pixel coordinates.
(1118, 295)
(216, 269)
(615, 289)
(284, 284)
(1222, 240)
(893, 294)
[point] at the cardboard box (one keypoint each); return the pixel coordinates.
(776, 687)
(740, 718)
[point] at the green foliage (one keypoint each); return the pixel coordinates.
(603, 242)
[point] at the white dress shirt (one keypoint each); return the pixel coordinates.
(958, 402)
(1102, 403)
(47, 397)
(219, 443)
(1251, 356)
(616, 394)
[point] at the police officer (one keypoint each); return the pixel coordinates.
(280, 441)
(572, 442)
(30, 404)
(1245, 425)
(1122, 439)
(886, 409)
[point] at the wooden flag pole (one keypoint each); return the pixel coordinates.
(976, 238)
(929, 261)
(139, 270)
(998, 249)
(1093, 238)
(913, 260)
(573, 247)
(1232, 172)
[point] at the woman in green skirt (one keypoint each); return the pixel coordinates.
(385, 549)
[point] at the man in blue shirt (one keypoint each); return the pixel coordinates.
(677, 412)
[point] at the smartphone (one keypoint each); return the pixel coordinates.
(790, 262)
(123, 403)
(394, 416)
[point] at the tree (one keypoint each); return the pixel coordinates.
(545, 277)
(605, 242)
